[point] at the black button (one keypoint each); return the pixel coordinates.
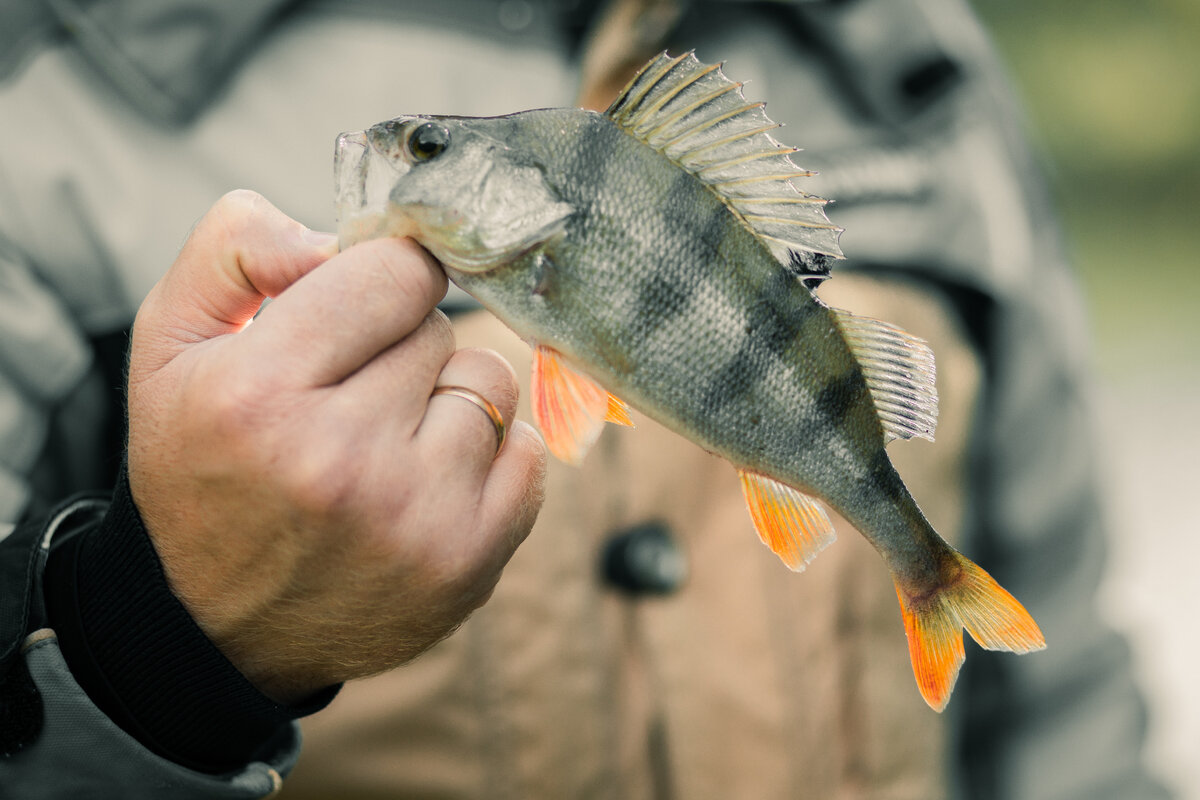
(644, 559)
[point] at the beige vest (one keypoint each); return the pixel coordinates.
(749, 682)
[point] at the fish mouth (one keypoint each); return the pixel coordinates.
(362, 178)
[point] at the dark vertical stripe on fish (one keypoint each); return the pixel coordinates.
(768, 323)
(677, 204)
(661, 300)
(713, 230)
(839, 396)
(593, 151)
(736, 379)
(885, 477)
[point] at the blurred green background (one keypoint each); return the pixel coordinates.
(1112, 96)
(1112, 90)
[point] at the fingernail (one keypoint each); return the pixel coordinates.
(321, 240)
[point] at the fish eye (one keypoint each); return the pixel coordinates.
(427, 141)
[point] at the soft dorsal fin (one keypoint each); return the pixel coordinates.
(900, 374)
(691, 113)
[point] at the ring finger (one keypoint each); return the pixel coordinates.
(459, 434)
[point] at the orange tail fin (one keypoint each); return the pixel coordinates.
(934, 622)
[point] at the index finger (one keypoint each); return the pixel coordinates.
(338, 317)
(241, 252)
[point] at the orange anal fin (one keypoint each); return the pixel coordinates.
(934, 622)
(569, 407)
(789, 522)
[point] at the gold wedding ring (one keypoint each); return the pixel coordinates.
(483, 404)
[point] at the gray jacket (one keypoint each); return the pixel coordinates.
(919, 143)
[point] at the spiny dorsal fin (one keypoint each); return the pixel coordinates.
(697, 117)
(900, 373)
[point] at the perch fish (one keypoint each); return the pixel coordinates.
(660, 253)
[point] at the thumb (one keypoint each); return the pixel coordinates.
(241, 252)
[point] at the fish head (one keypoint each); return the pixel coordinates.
(460, 186)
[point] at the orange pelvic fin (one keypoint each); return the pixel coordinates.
(789, 522)
(569, 407)
(934, 622)
(618, 412)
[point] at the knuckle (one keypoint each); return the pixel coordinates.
(319, 481)
(310, 468)
(499, 378)
(235, 402)
(462, 575)
(233, 216)
(448, 543)
(442, 329)
(435, 336)
(497, 365)
(232, 409)
(533, 450)
(239, 201)
(236, 205)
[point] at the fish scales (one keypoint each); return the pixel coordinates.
(659, 253)
(732, 332)
(649, 223)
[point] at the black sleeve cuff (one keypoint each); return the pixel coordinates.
(143, 660)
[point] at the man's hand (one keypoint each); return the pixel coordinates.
(321, 517)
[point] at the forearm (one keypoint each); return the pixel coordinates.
(138, 654)
(110, 683)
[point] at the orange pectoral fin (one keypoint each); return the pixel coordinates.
(789, 522)
(570, 408)
(933, 624)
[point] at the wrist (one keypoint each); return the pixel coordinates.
(143, 660)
